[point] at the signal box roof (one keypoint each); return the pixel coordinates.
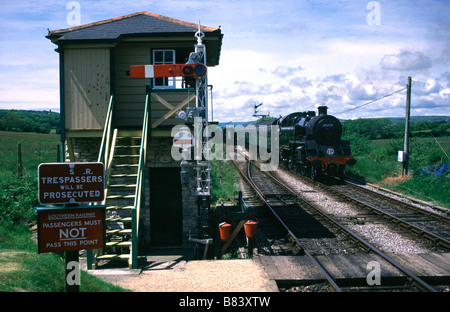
(141, 24)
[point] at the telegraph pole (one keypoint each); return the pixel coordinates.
(406, 143)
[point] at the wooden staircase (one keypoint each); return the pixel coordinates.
(123, 154)
(120, 197)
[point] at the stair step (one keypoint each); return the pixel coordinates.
(118, 219)
(119, 207)
(124, 175)
(123, 186)
(118, 244)
(125, 165)
(111, 257)
(126, 156)
(120, 196)
(119, 231)
(128, 146)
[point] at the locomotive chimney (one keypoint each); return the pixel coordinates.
(322, 110)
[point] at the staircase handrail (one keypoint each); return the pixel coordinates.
(106, 138)
(138, 200)
(103, 156)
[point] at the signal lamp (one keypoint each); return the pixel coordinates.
(188, 70)
(200, 70)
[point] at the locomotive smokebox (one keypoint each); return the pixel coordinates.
(322, 110)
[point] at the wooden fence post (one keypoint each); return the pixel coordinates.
(19, 160)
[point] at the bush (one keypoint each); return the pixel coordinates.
(18, 197)
(29, 121)
(423, 153)
(359, 143)
(378, 128)
(223, 181)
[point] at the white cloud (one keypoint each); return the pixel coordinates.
(406, 61)
(284, 71)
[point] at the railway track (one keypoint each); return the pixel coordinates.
(375, 207)
(310, 230)
(428, 224)
(277, 199)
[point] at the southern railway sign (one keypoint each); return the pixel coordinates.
(70, 183)
(63, 229)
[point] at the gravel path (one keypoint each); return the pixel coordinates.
(192, 276)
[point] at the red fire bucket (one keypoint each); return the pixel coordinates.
(250, 229)
(225, 231)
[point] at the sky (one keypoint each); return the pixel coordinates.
(289, 55)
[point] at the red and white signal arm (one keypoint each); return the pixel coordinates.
(183, 139)
(167, 70)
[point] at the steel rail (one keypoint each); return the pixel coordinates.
(415, 280)
(429, 213)
(402, 197)
(414, 228)
(250, 181)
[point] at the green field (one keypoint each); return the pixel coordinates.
(36, 148)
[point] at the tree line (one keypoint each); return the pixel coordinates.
(371, 129)
(29, 121)
(384, 128)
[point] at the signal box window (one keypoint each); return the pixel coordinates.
(164, 57)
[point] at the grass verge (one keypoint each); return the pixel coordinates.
(378, 164)
(22, 269)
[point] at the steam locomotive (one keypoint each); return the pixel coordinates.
(312, 145)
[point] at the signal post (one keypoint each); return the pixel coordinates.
(195, 75)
